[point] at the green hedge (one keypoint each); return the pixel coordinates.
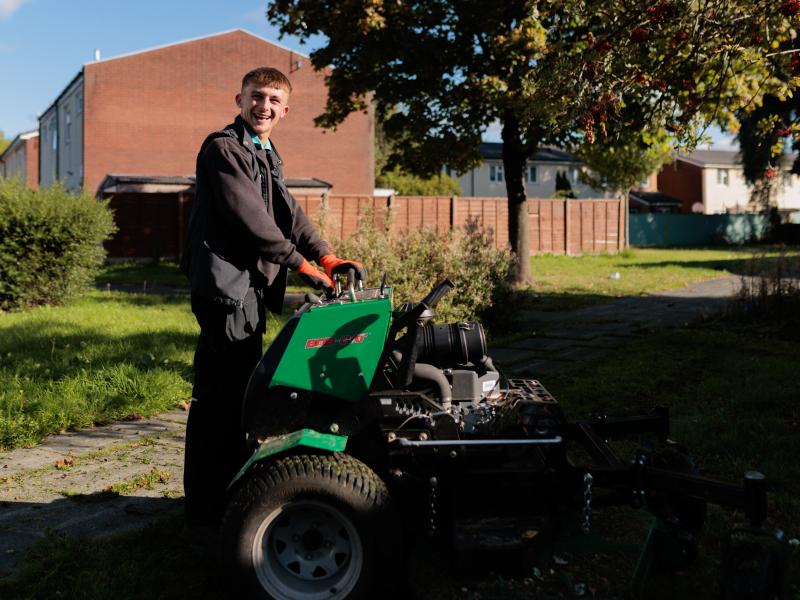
(414, 262)
(50, 243)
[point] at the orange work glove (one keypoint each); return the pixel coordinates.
(334, 265)
(314, 277)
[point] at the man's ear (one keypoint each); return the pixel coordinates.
(239, 100)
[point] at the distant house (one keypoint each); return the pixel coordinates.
(488, 179)
(21, 159)
(146, 113)
(712, 182)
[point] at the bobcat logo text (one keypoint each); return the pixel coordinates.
(340, 341)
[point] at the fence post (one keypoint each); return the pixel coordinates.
(453, 212)
(566, 226)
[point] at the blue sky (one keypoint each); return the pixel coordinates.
(44, 43)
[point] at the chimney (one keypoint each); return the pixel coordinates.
(97, 54)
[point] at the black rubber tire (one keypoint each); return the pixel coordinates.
(337, 481)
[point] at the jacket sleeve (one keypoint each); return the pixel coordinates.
(240, 203)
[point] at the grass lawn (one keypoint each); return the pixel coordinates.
(560, 282)
(165, 274)
(732, 389)
(565, 282)
(103, 357)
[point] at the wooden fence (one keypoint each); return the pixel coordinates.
(154, 225)
(555, 226)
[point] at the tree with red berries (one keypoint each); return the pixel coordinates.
(565, 73)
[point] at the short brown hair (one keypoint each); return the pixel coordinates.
(267, 76)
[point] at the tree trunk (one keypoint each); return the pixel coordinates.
(514, 163)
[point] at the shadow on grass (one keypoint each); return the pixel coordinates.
(58, 376)
(54, 350)
(135, 297)
(146, 557)
(746, 265)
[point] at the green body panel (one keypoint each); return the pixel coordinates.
(304, 437)
(336, 347)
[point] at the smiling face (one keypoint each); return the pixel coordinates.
(262, 106)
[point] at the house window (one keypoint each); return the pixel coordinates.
(67, 128)
(79, 105)
(54, 136)
(496, 173)
(723, 177)
(530, 175)
(573, 175)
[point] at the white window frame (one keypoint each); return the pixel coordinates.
(496, 173)
(531, 174)
(723, 177)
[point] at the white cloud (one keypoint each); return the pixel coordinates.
(9, 7)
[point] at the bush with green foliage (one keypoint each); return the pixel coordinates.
(405, 184)
(50, 243)
(414, 262)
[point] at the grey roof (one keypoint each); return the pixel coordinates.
(17, 139)
(494, 150)
(112, 178)
(129, 182)
(715, 157)
(732, 158)
(309, 182)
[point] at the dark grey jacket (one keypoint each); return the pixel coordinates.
(245, 228)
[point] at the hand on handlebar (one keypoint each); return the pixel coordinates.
(315, 278)
(334, 265)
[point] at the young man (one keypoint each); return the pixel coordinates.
(245, 231)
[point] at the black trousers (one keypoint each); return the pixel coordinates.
(215, 444)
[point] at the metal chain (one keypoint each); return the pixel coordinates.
(586, 525)
(432, 485)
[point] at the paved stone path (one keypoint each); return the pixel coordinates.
(118, 477)
(549, 341)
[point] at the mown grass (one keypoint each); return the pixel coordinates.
(733, 394)
(566, 282)
(103, 357)
(163, 274)
(560, 282)
(733, 391)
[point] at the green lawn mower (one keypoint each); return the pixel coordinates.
(372, 426)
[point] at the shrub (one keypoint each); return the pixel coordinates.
(770, 288)
(405, 184)
(414, 262)
(50, 243)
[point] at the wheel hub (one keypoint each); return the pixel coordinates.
(307, 550)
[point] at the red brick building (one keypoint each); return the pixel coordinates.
(21, 159)
(146, 113)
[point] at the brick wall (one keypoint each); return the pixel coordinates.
(148, 113)
(32, 162)
(683, 181)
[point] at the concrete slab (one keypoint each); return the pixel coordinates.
(86, 441)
